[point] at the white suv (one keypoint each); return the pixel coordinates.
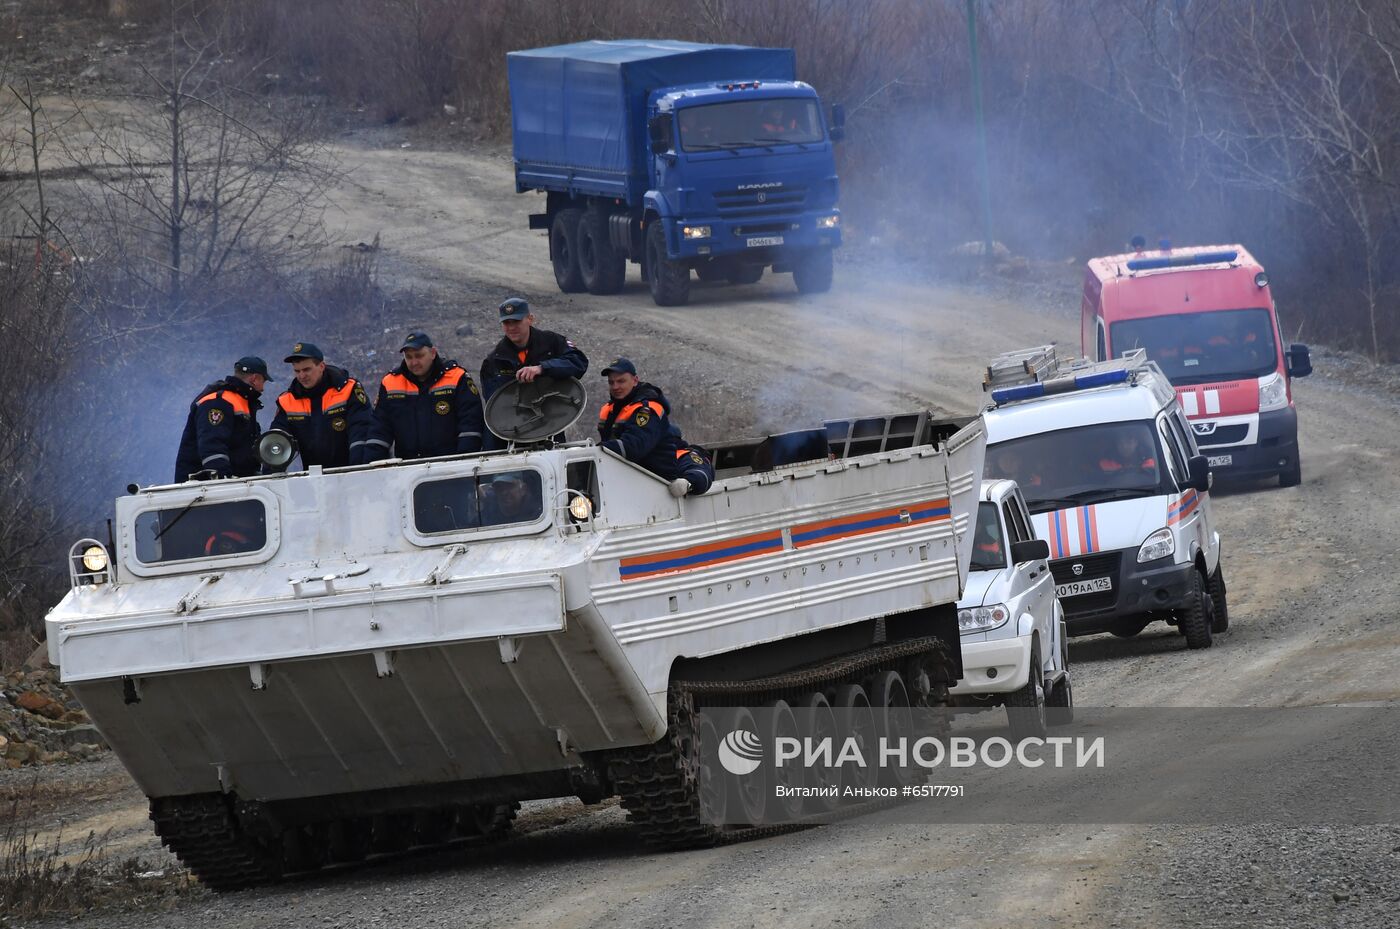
(1014, 643)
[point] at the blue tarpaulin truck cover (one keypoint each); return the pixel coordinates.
(578, 112)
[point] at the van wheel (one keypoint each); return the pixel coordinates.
(669, 280)
(1217, 600)
(1197, 618)
(1292, 476)
(602, 269)
(1025, 708)
(563, 250)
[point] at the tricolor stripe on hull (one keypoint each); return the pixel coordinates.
(771, 542)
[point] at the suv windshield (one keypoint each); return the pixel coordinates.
(988, 545)
(1076, 467)
(1203, 348)
(744, 123)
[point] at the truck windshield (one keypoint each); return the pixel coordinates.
(1203, 348)
(1077, 467)
(745, 123)
(988, 544)
(185, 533)
(477, 502)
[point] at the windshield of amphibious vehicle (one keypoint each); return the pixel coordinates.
(746, 123)
(188, 532)
(1203, 348)
(503, 499)
(1077, 467)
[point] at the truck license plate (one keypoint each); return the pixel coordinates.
(1220, 461)
(765, 240)
(1076, 588)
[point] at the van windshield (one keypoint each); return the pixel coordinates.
(746, 123)
(1077, 467)
(1203, 348)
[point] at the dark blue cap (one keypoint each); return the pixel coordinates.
(514, 308)
(304, 350)
(417, 340)
(621, 366)
(251, 364)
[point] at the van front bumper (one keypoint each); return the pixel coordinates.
(1138, 589)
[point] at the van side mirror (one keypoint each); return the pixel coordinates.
(1299, 360)
(1029, 550)
(1198, 473)
(838, 122)
(659, 130)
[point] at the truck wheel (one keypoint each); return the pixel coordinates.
(812, 274)
(1060, 704)
(1293, 476)
(1197, 618)
(894, 720)
(853, 707)
(563, 250)
(1217, 600)
(1025, 708)
(669, 280)
(746, 274)
(603, 270)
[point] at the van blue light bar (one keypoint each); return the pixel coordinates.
(1021, 392)
(1181, 261)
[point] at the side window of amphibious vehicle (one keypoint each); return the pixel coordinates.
(186, 533)
(503, 499)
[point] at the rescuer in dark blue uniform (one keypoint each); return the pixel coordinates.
(636, 424)
(526, 353)
(426, 407)
(222, 427)
(325, 410)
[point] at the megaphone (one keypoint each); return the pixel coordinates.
(276, 449)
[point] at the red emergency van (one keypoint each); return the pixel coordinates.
(1206, 316)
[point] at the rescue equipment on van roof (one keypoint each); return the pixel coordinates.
(1037, 372)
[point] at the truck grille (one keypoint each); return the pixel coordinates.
(1104, 564)
(776, 201)
(1224, 435)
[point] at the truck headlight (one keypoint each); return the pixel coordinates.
(581, 508)
(95, 558)
(695, 232)
(1159, 544)
(829, 222)
(1273, 392)
(983, 618)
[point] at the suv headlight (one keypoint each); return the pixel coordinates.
(695, 232)
(1273, 392)
(983, 618)
(1159, 544)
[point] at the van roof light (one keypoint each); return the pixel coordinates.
(1182, 261)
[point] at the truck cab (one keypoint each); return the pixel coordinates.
(1116, 486)
(1206, 316)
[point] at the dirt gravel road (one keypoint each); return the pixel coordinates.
(1312, 571)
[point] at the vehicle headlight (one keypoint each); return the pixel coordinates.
(983, 618)
(1159, 544)
(1273, 392)
(829, 222)
(695, 232)
(581, 508)
(95, 558)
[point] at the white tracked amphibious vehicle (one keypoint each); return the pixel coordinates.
(308, 668)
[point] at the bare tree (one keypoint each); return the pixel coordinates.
(197, 179)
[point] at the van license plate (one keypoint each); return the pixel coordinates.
(1077, 588)
(1220, 461)
(765, 240)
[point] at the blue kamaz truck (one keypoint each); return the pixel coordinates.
(676, 156)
